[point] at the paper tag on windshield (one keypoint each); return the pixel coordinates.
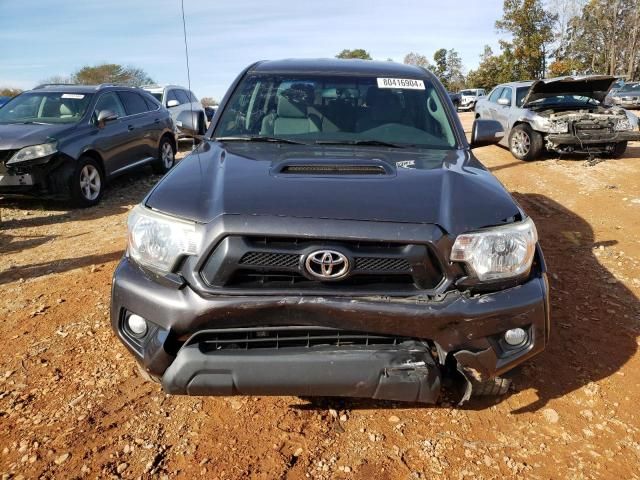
(77, 96)
(407, 83)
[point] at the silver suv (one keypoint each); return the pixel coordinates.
(179, 99)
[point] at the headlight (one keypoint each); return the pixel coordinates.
(558, 127)
(158, 241)
(623, 124)
(33, 152)
(499, 252)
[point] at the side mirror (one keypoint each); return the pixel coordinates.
(505, 102)
(106, 116)
(189, 122)
(172, 103)
(486, 132)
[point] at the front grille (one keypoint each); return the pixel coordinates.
(267, 259)
(362, 264)
(588, 130)
(273, 263)
(382, 264)
(210, 341)
(377, 283)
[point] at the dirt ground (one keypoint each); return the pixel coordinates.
(73, 406)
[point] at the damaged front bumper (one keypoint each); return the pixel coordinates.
(589, 143)
(182, 346)
(37, 176)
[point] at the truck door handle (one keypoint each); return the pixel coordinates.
(131, 127)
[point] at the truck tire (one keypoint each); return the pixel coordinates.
(618, 150)
(525, 143)
(166, 156)
(87, 182)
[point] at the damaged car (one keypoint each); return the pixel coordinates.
(627, 96)
(333, 235)
(469, 97)
(563, 115)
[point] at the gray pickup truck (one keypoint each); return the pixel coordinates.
(333, 235)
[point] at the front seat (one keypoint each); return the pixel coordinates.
(292, 115)
(65, 111)
(383, 107)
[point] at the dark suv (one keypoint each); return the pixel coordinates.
(70, 139)
(333, 235)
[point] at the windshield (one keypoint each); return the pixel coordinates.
(630, 87)
(45, 107)
(468, 93)
(157, 96)
(337, 109)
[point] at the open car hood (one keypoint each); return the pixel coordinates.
(592, 86)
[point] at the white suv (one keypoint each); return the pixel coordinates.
(179, 99)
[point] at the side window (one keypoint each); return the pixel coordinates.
(133, 103)
(171, 95)
(109, 101)
(152, 103)
(193, 97)
(182, 96)
(506, 93)
(495, 95)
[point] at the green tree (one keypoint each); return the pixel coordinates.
(440, 59)
(112, 73)
(448, 67)
(604, 38)
(355, 53)
(531, 28)
(493, 69)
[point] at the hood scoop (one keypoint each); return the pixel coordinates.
(332, 168)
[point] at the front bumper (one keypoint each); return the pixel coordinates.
(595, 139)
(461, 327)
(37, 176)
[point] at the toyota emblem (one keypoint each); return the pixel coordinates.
(327, 264)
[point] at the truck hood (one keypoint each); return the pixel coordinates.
(448, 188)
(593, 86)
(19, 135)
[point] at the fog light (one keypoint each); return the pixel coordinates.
(137, 325)
(515, 336)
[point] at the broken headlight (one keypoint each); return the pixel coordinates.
(497, 253)
(32, 152)
(158, 241)
(558, 127)
(623, 125)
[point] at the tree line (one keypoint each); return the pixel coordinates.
(546, 39)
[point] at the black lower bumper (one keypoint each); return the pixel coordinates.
(461, 327)
(405, 372)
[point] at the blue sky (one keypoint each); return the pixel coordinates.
(42, 38)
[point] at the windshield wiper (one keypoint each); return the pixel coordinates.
(258, 138)
(378, 143)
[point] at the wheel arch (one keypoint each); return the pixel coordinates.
(97, 157)
(171, 138)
